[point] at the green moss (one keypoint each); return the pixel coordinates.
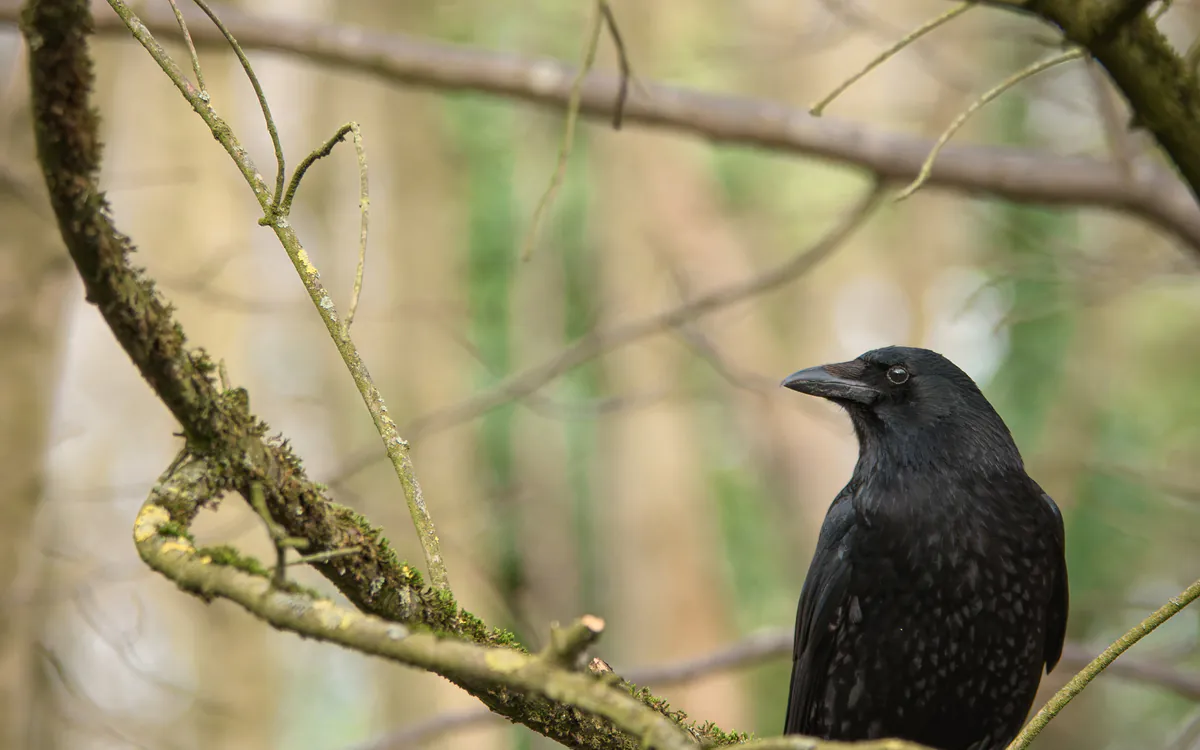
(224, 554)
(177, 530)
(708, 733)
(712, 735)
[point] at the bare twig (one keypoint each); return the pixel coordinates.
(1016, 174)
(187, 38)
(626, 70)
(939, 20)
(568, 137)
(568, 646)
(395, 446)
(1159, 84)
(1097, 665)
(272, 131)
(364, 199)
(332, 554)
(279, 536)
(1028, 72)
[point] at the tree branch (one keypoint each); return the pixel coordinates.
(1014, 174)
(1161, 87)
(500, 676)
(217, 424)
(768, 645)
(395, 446)
(222, 433)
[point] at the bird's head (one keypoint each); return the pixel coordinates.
(908, 396)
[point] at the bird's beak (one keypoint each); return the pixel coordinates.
(838, 382)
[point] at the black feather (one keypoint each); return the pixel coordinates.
(938, 590)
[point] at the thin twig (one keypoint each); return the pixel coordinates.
(623, 65)
(187, 38)
(568, 137)
(1005, 85)
(326, 556)
(364, 199)
(933, 23)
(278, 534)
(364, 208)
(1097, 665)
(395, 446)
(280, 172)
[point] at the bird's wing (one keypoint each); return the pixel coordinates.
(819, 613)
(1056, 618)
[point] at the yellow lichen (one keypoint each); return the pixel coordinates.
(149, 519)
(178, 545)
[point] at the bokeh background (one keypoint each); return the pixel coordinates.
(669, 485)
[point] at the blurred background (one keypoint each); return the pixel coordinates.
(669, 485)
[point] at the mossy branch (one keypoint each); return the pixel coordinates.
(488, 672)
(272, 205)
(218, 424)
(227, 448)
(1163, 90)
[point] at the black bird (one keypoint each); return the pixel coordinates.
(938, 590)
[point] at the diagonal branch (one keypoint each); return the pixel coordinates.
(1015, 174)
(1162, 89)
(396, 448)
(216, 423)
(1085, 676)
(224, 436)
(765, 646)
(499, 676)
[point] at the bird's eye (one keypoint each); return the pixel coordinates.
(897, 375)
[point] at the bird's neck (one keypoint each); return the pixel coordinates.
(916, 451)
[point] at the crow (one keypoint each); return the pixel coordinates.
(938, 589)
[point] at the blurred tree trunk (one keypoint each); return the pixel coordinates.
(34, 283)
